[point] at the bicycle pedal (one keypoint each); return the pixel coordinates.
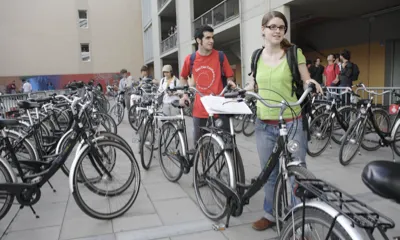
(219, 228)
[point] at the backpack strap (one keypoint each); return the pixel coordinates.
(253, 65)
(221, 63)
(192, 58)
(291, 55)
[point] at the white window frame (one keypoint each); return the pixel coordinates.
(82, 55)
(83, 19)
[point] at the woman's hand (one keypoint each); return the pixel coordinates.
(317, 85)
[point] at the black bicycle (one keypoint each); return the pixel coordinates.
(101, 156)
(217, 167)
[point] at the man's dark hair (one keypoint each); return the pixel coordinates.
(144, 68)
(345, 54)
(199, 34)
(308, 62)
(336, 55)
(123, 71)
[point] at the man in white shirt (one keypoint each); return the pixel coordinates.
(125, 84)
(26, 87)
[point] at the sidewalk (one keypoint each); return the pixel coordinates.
(165, 210)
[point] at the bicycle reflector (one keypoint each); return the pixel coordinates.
(293, 146)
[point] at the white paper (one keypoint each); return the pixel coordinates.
(221, 105)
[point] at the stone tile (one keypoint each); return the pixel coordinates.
(8, 218)
(50, 215)
(209, 235)
(80, 227)
(154, 175)
(48, 233)
(99, 237)
(180, 210)
(246, 232)
(166, 190)
(136, 222)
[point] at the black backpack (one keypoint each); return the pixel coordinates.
(221, 63)
(297, 83)
(355, 72)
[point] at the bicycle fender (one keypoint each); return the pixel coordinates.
(354, 232)
(295, 163)
(229, 160)
(58, 150)
(10, 170)
(81, 148)
(180, 135)
(393, 134)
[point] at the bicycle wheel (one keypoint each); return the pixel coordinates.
(170, 150)
(371, 137)
(283, 199)
(147, 145)
(238, 123)
(6, 198)
(347, 115)
(107, 122)
(396, 139)
(208, 149)
(292, 228)
(320, 131)
(117, 113)
(353, 137)
(129, 189)
(249, 124)
(132, 118)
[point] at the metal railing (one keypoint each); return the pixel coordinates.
(169, 43)
(8, 102)
(161, 4)
(384, 100)
(221, 13)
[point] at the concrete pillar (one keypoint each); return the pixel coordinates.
(184, 19)
(285, 9)
(156, 39)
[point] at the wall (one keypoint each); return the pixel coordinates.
(370, 60)
(42, 37)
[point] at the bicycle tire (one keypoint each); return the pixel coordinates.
(341, 111)
(224, 211)
(386, 118)
(355, 124)
(327, 120)
(395, 149)
(247, 118)
(9, 198)
(316, 215)
(148, 127)
(166, 173)
(297, 171)
(135, 176)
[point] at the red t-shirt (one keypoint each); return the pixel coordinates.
(207, 75)
(331, 71)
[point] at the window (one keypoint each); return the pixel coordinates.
(85, 52)
(83, 20)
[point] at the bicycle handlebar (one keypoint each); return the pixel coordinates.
(372, 92)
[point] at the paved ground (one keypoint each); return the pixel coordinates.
(165, 210)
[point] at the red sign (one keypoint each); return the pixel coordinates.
(393, 109)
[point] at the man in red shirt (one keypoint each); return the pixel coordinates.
(206, 74)
(331, 72)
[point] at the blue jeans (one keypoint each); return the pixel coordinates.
(266, 137)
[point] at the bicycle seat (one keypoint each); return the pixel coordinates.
(383, 178)
(28, 105)
(146, 103)
(40, 100)
(8, 122)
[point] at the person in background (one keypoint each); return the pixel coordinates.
(169, 80)
(332, 71)
(125, 84)
(337, 61)
(50, 86)
(317, 70)
(26, 86)
(11, 88)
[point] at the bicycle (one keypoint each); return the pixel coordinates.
(28, 192)
(323, 126)
(235, 193)
(118, 108)
(173, 131)
(341, 214)
(367, 119)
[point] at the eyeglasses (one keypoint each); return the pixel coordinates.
(274, 27)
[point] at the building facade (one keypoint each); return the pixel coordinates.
(66, 40)
(365, 27)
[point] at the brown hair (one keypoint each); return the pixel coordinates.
(285, 44)
(144, 68)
